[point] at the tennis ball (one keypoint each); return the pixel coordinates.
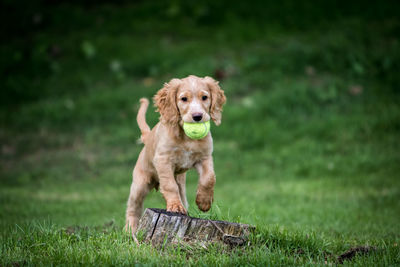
(196, 130)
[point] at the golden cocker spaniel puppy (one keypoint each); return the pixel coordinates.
(168, 153)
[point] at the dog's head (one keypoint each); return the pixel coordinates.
(191, 99)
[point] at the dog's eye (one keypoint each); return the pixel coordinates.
(204, 97)
(184, 99)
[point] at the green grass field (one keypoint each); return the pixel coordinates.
(308, 150)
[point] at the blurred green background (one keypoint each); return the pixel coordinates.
(309, 139)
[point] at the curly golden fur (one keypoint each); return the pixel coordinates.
(168, 153)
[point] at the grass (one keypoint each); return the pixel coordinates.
(308, 150)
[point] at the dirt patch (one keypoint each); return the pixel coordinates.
(75, 229)
(234, 241)
(351, 253)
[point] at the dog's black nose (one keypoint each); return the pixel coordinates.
(197, 116)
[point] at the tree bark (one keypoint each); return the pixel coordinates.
(161, 227)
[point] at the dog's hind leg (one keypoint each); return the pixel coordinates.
(141, 185)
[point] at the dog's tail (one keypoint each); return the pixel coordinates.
(141, 119)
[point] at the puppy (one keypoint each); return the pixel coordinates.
(168, 153)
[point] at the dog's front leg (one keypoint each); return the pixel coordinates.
(168, 186)
(205, 188)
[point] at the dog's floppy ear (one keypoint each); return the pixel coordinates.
(218, 99)
(165, 101)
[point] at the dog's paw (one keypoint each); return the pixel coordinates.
(176, 207)
(204, 201)
(131, 224)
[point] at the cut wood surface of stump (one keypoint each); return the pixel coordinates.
(162, 227)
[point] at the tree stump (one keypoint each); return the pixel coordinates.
(162, 227)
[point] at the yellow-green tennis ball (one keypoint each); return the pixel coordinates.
(196, 130)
